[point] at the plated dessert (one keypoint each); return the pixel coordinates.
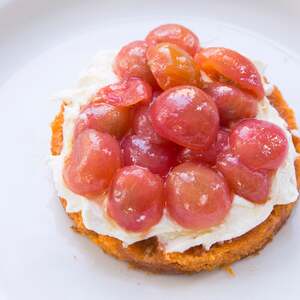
(174, 156)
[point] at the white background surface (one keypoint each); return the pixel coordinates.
(43, 47)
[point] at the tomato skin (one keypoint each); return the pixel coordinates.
(252, 185)
(233, 104)
(131, 61)
(94, 159)
(140, 151)
(103, 117)
(260, 145)
(222, 142)
(197, 196)
(127, 92)
(136, 199)
(233, 66)
(142, 126)
(172, 66)
(186, 116)
(208, 156)
(175, 34)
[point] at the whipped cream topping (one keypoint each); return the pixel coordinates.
(243, 216)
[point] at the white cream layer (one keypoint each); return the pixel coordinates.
(243, 215)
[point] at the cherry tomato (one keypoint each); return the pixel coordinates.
(249, 184)
(232, 103)
(197, 196)
(233, 66)
(222, 142)
(155, 94)
(187, 116)
(94, 159)
(172, 66)
(127, 92)
(259, 144)
(136, 199)
(175, 34)
(208, 156)
(103, 117)
(142, 126)
(131, 62)
(157, 158)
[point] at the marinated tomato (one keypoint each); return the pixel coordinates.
(103, 117)
(136, 199)
(175, 34)
(131, 61)
(94, 159)
(140, 151)
(197, 196)
(172, 66)
(127, 92)
(249, 184)
(259, 144)
(233, 104)
(142, 126)
(233, 66)
(208, 156)
(187, 116)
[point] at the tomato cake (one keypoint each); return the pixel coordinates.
(173, 156)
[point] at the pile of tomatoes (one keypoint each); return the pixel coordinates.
(162, 138)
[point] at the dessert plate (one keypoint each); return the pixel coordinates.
(44, 45)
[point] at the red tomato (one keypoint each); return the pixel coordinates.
(208, 156)
(186, 116)
(172, 66)
(233, 66)
(232, 103)
(136, 199)
(127, 92)
(197, 196)
(251, 185)
(157, 158)
(142, 126)
(175, 34)
(94, 159)
(222, 142)
(131, 62)
(103, 117)
(259, 144)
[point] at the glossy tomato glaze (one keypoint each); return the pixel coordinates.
(205, 213)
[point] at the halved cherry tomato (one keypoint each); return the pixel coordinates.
(208, 156)
(94, 159)
(222, 142)
(103, 117)
(127, 92)
(172, 66)
(197, 196)
(259, 144)
(136, 199)
(252, 185)
(131, 62)
(233, 66)
(142, 126)
(175, 34)
(233, 104)
(187, 116)
(140, 151)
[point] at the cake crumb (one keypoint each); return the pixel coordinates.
(229, 270)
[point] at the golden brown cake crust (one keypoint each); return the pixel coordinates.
(147, 255)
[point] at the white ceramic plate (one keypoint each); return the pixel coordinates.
(43, 47)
